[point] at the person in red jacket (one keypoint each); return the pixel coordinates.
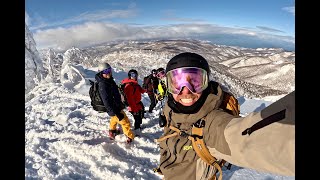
(133, 91)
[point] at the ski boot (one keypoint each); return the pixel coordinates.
(113, 133)
(129, 140)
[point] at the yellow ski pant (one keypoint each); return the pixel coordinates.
(125, 124)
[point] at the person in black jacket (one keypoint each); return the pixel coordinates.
(151, 85)
(111, 98)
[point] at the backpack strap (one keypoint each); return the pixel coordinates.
(201, 149)
(166, 137)
(95, 86)
(198, 145)
(230, 104)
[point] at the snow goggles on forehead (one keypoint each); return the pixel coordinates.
(161, 74)
(133, 74)
(107, 71)
(195, 79)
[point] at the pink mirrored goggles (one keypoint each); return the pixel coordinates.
(161, 74)
(195, 79)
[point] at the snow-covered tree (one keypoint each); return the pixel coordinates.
(34, 71)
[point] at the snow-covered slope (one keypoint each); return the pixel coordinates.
(65, 137)
(245, 72)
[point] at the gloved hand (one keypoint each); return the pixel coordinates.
(162, 120)
(120, 116)
(159, 97)
(156, 96)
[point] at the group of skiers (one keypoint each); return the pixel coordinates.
(154, 85)
(194, 123)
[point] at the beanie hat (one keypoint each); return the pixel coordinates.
(188, 59)
(103, 66)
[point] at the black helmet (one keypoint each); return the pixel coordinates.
(132, 71)
(188, 59)
(153, 71)
(159, 70)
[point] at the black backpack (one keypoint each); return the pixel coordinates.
(123, 95)
(96, 101)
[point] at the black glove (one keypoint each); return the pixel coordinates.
(162, 120)
(120, 116)
(159, 97)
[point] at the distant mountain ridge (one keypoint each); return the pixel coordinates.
(253, 73)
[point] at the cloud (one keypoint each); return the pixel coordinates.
(178, 19)
(290, 10)
(37, 22)
(101, 15)
(91, 33)
(132, 5)
(269, 29)
(27, 18)
(95, 16)
(83, 35)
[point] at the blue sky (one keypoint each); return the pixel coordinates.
(269, 20)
